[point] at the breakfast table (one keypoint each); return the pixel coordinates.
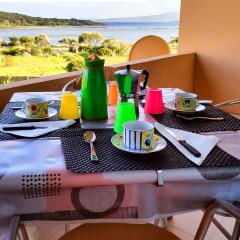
(36, 184)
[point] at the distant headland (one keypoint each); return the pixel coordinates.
(8, 20)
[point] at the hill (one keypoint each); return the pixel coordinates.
(164, 17)
(8, 19)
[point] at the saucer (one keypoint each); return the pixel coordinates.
(21, 114)
(158, 144)
(170, 105)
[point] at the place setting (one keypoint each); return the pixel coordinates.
(187, 112)
(36, 109)
(187, 107)
(113, 132)
(135, 143)
(39, 116)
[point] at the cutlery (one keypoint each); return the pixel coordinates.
(90, 137)
(205, 101)
(21, 128)
(204, 118)
(16, 108)
(183, 142)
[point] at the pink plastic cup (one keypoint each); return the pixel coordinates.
(154, 101)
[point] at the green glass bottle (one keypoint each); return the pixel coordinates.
(94, 91)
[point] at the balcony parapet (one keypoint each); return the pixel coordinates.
(165, 71)
(49, 83)
(174, 71)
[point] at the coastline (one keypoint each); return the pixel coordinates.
(128, 32)
(47, 26)
(85, 26)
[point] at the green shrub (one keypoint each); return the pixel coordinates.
(14, 51)
(91, 38)
(123, 49)
(174, 41)
(68, 56)
(75, 65)
(68, 40)
(94, 50)
(6, 79)
(104, 51)
(14, 41)
(27, 40)
(35, 51)
(2, 61)
(118, 47)
(47, 51)
(73, 48)
(88, 49)
(42, 40)
(1, 42)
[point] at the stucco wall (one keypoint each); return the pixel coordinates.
(211, 28)
(169, 71)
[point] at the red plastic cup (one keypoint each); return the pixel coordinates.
(154, 101)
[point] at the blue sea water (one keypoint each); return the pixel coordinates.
(126, 31)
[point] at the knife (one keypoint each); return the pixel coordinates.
(183, 142)
(21, 128)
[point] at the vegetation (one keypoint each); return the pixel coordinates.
(91, 38)
(15, 67)
(8, 19)
(33, 56)
(32, 66)
(174, 42)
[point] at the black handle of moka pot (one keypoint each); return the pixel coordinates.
(146, 74)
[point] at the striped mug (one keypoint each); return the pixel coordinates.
(138, 135)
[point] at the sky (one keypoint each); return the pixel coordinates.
(90, 9)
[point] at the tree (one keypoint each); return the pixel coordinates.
(75, 65)
(69, 40)
(104, 51)
(47, 51)
(1, 41)
(27, 40)
(42, 40)
(91, 38)
(14, 41)
(123, 48)
(118, 47)
(35, 51)
(96, 38)
(14, 51)
(174, 41)
(81, 39)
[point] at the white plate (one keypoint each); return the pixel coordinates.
(158, 144)
(171, 106)
(21, 114)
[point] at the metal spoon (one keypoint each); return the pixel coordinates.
(205, 101)
(90, 137)
(204, 118)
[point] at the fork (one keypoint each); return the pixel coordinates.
(204, 118)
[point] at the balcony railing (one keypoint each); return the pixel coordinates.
(171, 71)
(165, 71)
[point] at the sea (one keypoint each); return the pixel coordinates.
(126, 31)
